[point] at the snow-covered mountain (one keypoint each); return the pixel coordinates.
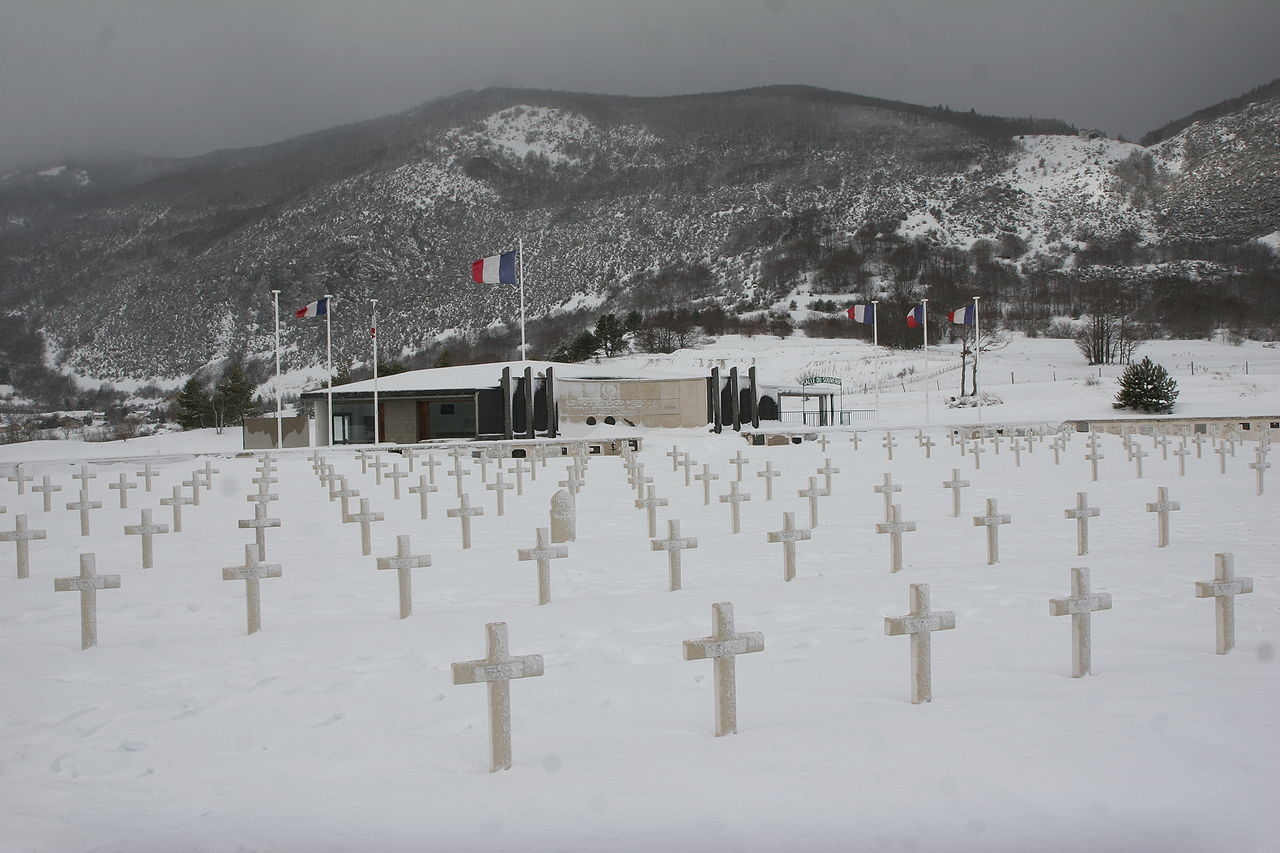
(155, 268)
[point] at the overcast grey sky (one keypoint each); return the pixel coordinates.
(177, 77)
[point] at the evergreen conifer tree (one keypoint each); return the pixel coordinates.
(232, 398)
(1147, 387)
(191, 408)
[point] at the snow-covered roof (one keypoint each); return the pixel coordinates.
(490, 375)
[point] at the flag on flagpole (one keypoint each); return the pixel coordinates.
(495, 269)
(964, 316)
(862, 313)
(915, 317)
(373, 331)
(319, 308)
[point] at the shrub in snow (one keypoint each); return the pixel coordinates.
(971, 400)
(1147, 387)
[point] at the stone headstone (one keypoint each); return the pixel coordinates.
(789, 535)
(519, 468)
(919, 624)
(1223, 589)
(887, 488)
(251, 573)
(395, 475)
(146, 529)
(458, 472)
(464, 512)
(1259, 465)
(826, 471)
(1093, 455)
(724, 644)
(674, 454)
(769, 476)
(1137, 456)
(739, 460)
(259, 524)
(21, 537)
(377, 465)
(84, 477)
(564, 517)
(422, 490)
(673, 545)
(976, 452)
(650, 505)
(83, 506)
(365, 518)
(46, 490)
(176, 502)
(543, 553)
(706, 477)
(1082, 512)
(992, 521)
(955, 484)
(734, 499)
(87, 583)
(431, 464)
(21, 478)
(1079, 606)
(895, 527)
(1182, 453)
(496, 670)
(823, 441)
(1163, 506)
(1222, 451)
(812, 493)
(148, 474)
(207, 473)
(402, 562)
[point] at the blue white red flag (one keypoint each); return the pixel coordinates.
(964, 316)
(319, 308)
(495, 269)
(862, 313)
(915, 317)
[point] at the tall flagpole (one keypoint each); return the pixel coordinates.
(924, 316)
(977, 348)
(875, 338)
(373, 332)
(524, 353)
(328, 348)
(279, 404)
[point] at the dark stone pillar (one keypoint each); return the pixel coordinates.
(716, 418)
(508, 430)
(755, 397)
(549, 393)
(528, 402)
(735, 406)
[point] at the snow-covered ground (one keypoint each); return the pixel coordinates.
(338, 727)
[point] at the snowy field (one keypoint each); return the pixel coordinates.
(338, 727)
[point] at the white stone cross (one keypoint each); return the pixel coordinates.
(995, 443)
(402, 562)
(1059, 445)
(177, 502)
(573, 481)
(543, 552)
(87, 584)
(265, 497)
(147, 473)
(1182, 453)
(706, 477)
(724, 644)
(83, 506)
(919, 623)
(887, 488)
(500, 487)
(1222, 452)
(1093, 455)
(854, 440)
(1082, 512)
(519, 468)
(769, 475)
(1079, 606)
(21, 536)
(395, 475)
(365, 518)
(955, 484)
(1016, 447)
(826, 471)
(345, 494)
(146, 529)
(84, 477)
(812, 493)
(363, 456)
(377, 465)
(1162, 441)
(789, 535)
(20, 478)
(686, 462)
(1138, 455)
(259, 523)
(484, 459)
(992, 521)
(464, 513)
(673, 545)
(1198, 440)
(422, 490)
(928, 446)
(674, 453)
(650, 504)
(496, 670)
(194, 485)
(207, 473)
(1259, 465)
(734, 499)
(431, 463)
(1223, 589)
(895, 527)
(1163, 506)
(122, 486)
(639, 480)
(251, 572)
(46, 490)
(889, 444)
(976, 451)
(823, 441)
(739, 460)
(317, 461)
(458, 472)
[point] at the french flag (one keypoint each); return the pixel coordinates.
(319, 308)
(915, 317)
(964, 316)
(862, 313)
(495, 269)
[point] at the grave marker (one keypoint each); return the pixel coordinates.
(83, 506)
(650, 505)
(377, 465)
(365, 518)
(251, 573)
(706, 477)
(1082, 513)
(826, 471)
(1222, 452)
(1137, 456)
(402, 562)
(431, 464)
(496, 670)
(722, 647)
(739, 460)
(895, 527)
(734, 499)
(822, 441)
(1163, 506)
(673, 545)
(207, 472)
(992, 521)
(500, 487)
(146, 529)
(1259, 465)
(395, 475)
(259, 523)
(20, 478)
(544, 552)
(564, 517)
(519, 468)
(87, 584)
(464, 513)
(687, 463)
(84, 477)
(919, 623)
(889, 444)
(887, 488)
(1093, 455)
(194, 485)
(1223, 589)
(675, 454)
(422, 490)
(768, 474)
(21, 537)
(458, 473)
(46, 490)
(955, 484)
(789, 535)
(812, 493)
(976, 451)
(176, 502)
(147, 473)
(1079, 606)
(1182, 453)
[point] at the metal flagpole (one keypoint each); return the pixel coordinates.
(977, 348)
(373, 333)
(328, 348)
(279, 404)
(924, 317)
(524, 353)
(875, 338)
